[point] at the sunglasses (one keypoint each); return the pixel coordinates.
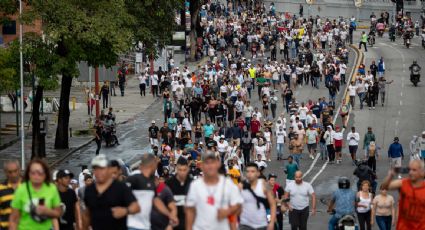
(37, 172)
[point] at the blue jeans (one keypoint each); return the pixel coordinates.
(361, 97)
(384, 222)
(297, 158)
(279, 149)
(332, 223)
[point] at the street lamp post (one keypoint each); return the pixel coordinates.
(21, 65)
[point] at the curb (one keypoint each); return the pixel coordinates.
(360, 59)
(10, 143)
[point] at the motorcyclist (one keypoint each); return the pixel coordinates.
(371, 35)
(415, 69)
(109, 130)
(364, 172)
(343, 202)
(407, 34)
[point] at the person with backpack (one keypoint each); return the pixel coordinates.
(258, 197)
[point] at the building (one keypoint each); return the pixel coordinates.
(346, 8)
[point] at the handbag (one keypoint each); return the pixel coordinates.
(33, 213)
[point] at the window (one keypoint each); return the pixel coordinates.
(9, 28)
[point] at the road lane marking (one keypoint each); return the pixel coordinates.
(399, 112)
(320, 172)
(401, 102)
(401, 93)
(312, 165)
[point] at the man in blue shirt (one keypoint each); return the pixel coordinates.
(343, 202)
(395, 153)
(208, 130)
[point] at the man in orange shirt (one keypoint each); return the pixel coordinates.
(412, 196)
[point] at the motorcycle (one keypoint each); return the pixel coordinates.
(109, 136)
(371, 40)
(346, 222)
(414, 78)
(408, 42)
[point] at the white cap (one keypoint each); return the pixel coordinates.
(86, 171)
(100, 161)
(153, 121)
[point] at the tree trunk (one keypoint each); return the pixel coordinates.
(36, 135)
(61, 140)
(195, 7)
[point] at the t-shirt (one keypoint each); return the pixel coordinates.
(158, 220)
(411, 206)
(180, 191)
(352, 90)
(153, 131)
(69, 198)
(299, 194)
(290, 171)
(207, 199)
(144, 190)
(344, 202)
(208, 130)
(383, 205)
(337, 136)
(280, 137)
(21, 202)
(311, 136)
(100, 205)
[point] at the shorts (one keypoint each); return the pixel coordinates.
(312, 146)
(396, 162)
(352, 149)
(154, 141)
(338, 148)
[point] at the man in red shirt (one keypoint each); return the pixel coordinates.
(411, 196)
(255, 126)
(240, 122)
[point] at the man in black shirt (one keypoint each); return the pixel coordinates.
(104, 93)
(164, 131)
(108, 201)
(143, 186)
(153, 134)
(179, 185)
(69, 200)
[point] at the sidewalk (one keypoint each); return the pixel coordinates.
(126, 108)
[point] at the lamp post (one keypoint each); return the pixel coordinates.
(21, 65)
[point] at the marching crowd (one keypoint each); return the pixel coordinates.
(208, 159)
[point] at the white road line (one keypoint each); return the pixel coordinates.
(318, 174)
(399, 112)
(312, 165)
(401, 102)
(401, 93)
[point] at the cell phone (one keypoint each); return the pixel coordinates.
(401, 170)
(41, 201)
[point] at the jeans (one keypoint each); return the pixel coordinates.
(105, 101)
(99, 145)
(122, 88)
(364, 44)
(361, 97)
(384, 222)
(331, 152)
(297, 157)
(279, 149)
(332, 223)
(323, 151)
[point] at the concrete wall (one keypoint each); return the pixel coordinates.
(345, 8)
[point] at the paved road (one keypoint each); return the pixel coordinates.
(403, 115)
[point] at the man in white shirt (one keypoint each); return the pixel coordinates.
(187, 86)
(353, 139)
(303, 113)
(154, 83)
(312, 138)
(280, 141)
(142, 84)
(298, 206)
(342, 71)
(212, 198)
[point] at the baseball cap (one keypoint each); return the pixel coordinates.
(100, 161)
(86, 171)
(64, 173)
(153, 122)
(222, 137)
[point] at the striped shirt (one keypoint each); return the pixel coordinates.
(6, 197)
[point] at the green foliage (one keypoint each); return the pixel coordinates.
(7, 73)
(7, 8)
(155, 21)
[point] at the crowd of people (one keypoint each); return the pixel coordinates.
(208, 159)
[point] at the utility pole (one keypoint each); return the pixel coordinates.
(96, 89)
(21, 65)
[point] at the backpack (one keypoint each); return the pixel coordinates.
(260, 200)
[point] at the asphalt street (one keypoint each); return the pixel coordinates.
(403, 115)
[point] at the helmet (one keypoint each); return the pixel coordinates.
(343, 183)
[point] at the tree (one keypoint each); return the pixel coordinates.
(81, 30)
(155, 22)
(42, 65)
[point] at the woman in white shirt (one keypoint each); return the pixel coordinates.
(269, 137)
(364, 206)
(260, 149)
